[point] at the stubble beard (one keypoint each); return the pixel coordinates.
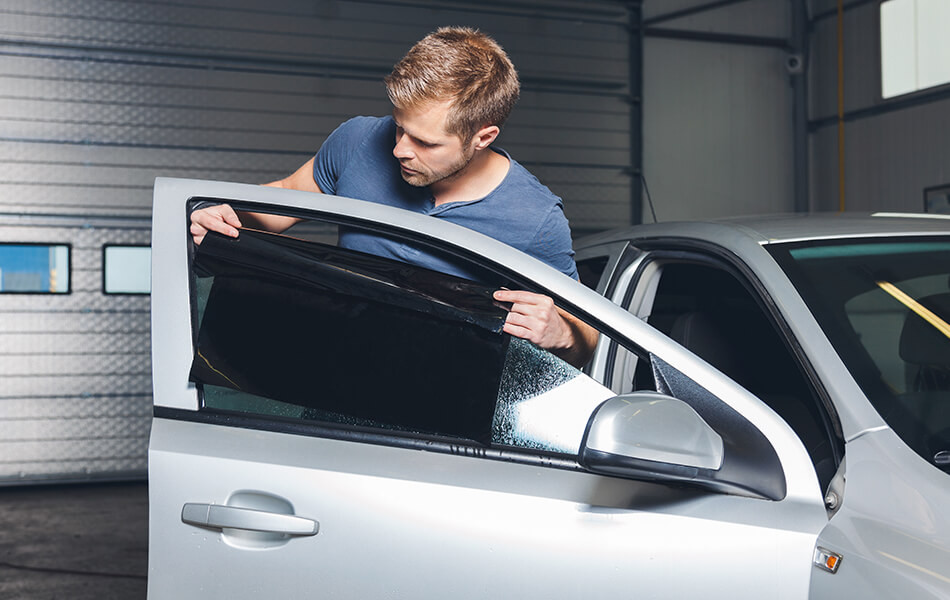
(425, 179)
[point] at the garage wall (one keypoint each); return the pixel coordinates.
(893, 149)
(717, 108)
(98, 97)
(75, 377)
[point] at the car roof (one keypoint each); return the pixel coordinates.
(784, 228)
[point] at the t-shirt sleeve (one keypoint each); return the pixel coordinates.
(334, 155)
(552, 244)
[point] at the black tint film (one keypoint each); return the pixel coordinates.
(335, 330)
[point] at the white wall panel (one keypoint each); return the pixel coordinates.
(717, 130)
(862, 62)
(759, 18)
(890, 159)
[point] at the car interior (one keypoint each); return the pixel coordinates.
(707, 310)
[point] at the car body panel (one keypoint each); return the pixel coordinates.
(892, 527)
(398, 522)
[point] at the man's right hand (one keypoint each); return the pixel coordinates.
(220, 218)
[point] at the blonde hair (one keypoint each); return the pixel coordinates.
(464, 66)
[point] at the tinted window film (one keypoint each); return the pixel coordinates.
(309, 331)
(348, 333)
(34, 268)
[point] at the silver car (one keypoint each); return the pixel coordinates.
(766, 414)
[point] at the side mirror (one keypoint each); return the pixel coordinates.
(655, 437)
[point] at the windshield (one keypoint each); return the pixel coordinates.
(885, 306)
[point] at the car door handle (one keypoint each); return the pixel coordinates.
(218, 516)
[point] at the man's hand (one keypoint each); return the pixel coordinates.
(535, 318)
(220, 218)
(223, 219)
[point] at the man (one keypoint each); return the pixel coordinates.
(451, 94)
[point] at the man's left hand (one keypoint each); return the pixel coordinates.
(534, 317)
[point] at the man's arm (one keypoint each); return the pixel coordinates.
(225, 220)
(534, 317)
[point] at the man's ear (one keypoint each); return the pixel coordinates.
(485, 136)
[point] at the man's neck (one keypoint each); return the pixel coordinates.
(479, 178)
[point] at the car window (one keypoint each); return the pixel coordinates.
(300, 331)
(705, 307)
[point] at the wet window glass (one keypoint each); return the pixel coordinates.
(303, 330)
(34, 268)
(544, 403)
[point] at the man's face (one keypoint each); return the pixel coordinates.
(426, 153)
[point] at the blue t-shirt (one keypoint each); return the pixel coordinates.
(356, 161)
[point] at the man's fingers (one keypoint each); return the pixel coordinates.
(519, 332)
(522, 320)
(220, 218)
(520, 296)
(230, 217)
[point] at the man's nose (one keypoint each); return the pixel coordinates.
(403, 149)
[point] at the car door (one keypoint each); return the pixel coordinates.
(337, 425)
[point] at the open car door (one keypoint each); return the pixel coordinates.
(334, 424)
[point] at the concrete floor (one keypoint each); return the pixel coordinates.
(75, 542)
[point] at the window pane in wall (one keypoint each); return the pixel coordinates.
(127, 269)
(933, 44)
(915, 50)
(937, 200)
(34, 268)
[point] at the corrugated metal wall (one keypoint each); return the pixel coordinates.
(98, 97)
(718, 108)
(893, 149)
